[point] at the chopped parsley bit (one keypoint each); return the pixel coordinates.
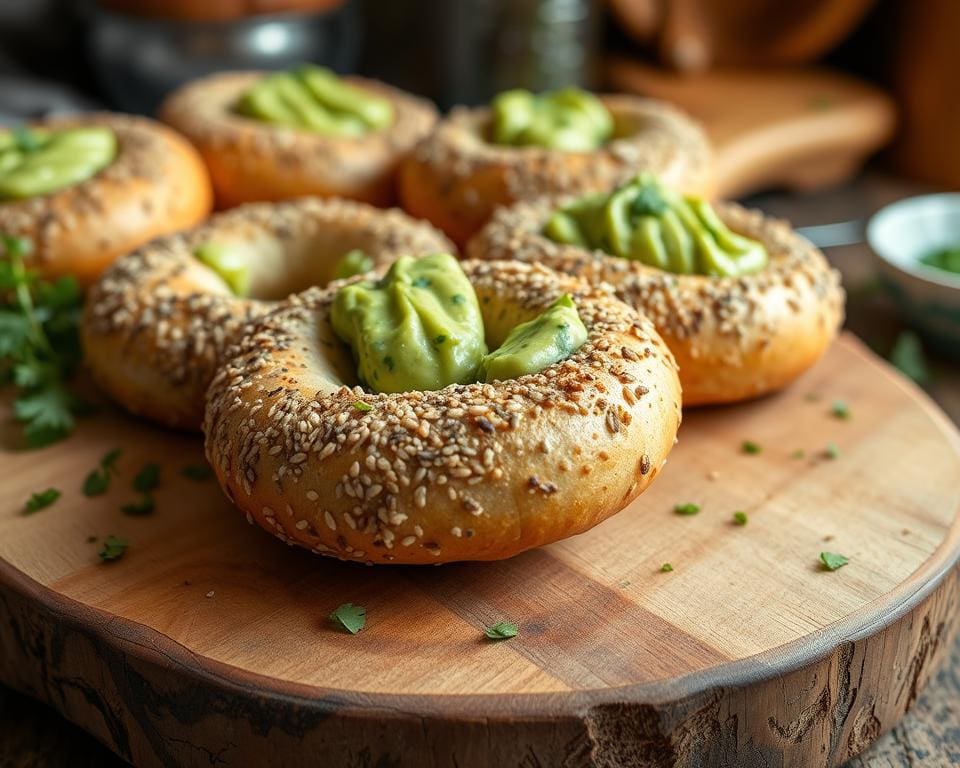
(687, 509)
(41, 500)
(440, 339)
(139, 508)
(832, 451)
(114, 548)
(666, 568)
(907, 355)
(350, 617)
(798, 454)
(362, 406)
(832, 561)
(197, 472)
(751, 447)
(148, 478)
(740, 517)
(840, 409)
(502, 630)
(98, 481)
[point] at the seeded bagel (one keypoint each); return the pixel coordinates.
(456, 178)
(734, 338)
(469, 472)
(156, 324)
(155, 185)
(250, 160)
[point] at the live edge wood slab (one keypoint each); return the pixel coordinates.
(208, 644)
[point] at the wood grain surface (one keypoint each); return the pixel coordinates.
(802, 128)
(209, 638)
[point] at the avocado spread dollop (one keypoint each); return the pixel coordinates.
(644, 221)
(418, 328)
(37, 161)
(230, 261)
(353, 262)
(315, 99)
(552, 336)
(569, 119)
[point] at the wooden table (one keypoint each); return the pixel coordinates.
(33, 735)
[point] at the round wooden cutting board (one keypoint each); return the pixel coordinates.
(208, 642)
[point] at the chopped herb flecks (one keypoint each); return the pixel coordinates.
(832, 561)
(502, 630)
(148, 478)
(740, 518)
(362, 406)
(749, 446)
(840, 409)
(832, 451)
(41, 500)
(98, 480)
(350, 617)
(114, 548)
(197, 472)
(687, 509)
(666, 568)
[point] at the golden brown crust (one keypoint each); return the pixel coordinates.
(251, 160)
(469, 472)
(156, 185)
(456, 179)
(733, 338)
(156, 324)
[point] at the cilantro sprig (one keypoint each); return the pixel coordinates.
(39, 345)
(98, 480)
(41, 500)
(502, 630)
(349, 617)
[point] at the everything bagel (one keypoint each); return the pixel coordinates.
(474, 471)
(456, 177)
(734, 338)
(157, 323)
(151, 182)
(255, 160)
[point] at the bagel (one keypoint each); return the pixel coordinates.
(250, 160)
(469, 472)
(156, 324)
(734, 338)
(154, 185)
(456, 178)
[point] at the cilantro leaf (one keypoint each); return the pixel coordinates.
(832, 451)
(751, 447)
(197, 472)
(98, 480)
(39, 344)
(360, 405)
(832, 561)
(40, 500)
(148, 478)
(350, 617)
(686, 509)
(502, 630)
(114, 548)
(740, 517)
(666, 568)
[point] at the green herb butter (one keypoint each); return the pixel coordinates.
(530, 347)
(419, 328)
(231, 261)
(354, 262)
(38, 162)
(314, 99)
(643, 221)
(569, 119)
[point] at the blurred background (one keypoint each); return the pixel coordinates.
(822, 111)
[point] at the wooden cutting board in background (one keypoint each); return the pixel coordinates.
(800, 128)
(208, 644)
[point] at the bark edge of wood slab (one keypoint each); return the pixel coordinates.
(802, 128)
(146, 653)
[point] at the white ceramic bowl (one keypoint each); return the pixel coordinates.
(900, 235)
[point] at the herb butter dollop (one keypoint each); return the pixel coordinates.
(418, 328)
